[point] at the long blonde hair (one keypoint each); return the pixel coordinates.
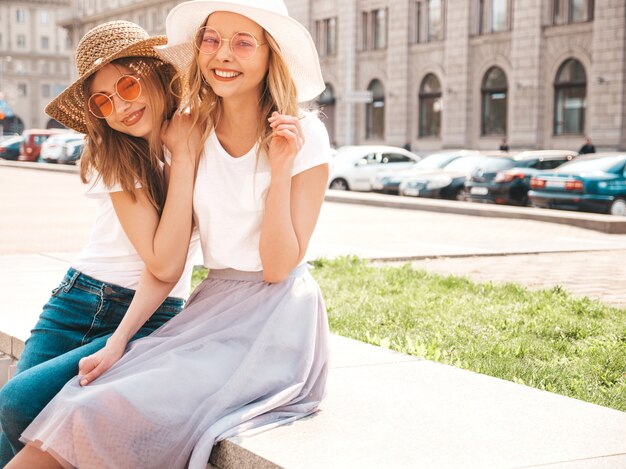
(279, 93)
(121, 158)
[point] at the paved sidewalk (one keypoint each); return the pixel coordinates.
(600, 275)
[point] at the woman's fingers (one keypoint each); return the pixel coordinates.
(291, 132)
(86, 366)
(95, 373)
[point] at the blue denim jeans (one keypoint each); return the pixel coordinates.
(80, 316)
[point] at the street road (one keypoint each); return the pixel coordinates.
(45, 211)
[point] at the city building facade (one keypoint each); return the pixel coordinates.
(34, 61)
(435, 74)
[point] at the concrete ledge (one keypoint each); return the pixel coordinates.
(61, 168)
(11, 346)
(385, 409)
(592, 221)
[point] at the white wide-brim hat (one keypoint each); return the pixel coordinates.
(296, 45)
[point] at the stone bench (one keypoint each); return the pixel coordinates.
(386, 409)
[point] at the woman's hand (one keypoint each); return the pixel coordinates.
(92, 366)
(181, 137)
(287, 141)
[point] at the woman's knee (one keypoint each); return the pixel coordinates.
(15, 406)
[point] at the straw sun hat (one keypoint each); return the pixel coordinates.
(99, 47)
(296, 45)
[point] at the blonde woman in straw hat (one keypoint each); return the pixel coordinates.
(120, 102)
(249, 350)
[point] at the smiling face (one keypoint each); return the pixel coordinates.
(132, 118)
(228, 75)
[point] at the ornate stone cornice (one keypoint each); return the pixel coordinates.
(109, 13)
(39, 3)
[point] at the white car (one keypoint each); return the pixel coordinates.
(57, 146)
(354, 167)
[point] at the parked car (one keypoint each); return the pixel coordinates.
(33, 139)
(72, 153)
(388, 182)
(594, 183)
(56, 146)
(445, 183)
(10, 148)
(354, 166)
(510, 184)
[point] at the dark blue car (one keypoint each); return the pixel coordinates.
(591, 184)
(510, 184)
(10, 148)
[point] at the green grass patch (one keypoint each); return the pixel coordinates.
(545, 339)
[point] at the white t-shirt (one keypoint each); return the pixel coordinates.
(110, 257)
(229, 197)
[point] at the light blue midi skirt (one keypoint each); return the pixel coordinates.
(243, 356)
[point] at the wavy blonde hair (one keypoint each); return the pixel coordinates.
(122, 159)
(279, 93)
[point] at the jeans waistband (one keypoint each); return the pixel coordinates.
(233, 274)
(75, 278)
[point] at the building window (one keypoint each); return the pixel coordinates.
(418, 18)
(578, 11)
(45, 42)
(374, 29)
(380, 28)
(45, 67)
(43, 17)
(494, 102)
(570, 98)
(22, 90)
(435, 25)
(375, 112)
(494, 16)
(430, 106)
(21, 41)
(364, 30)
(572, 11)
(58, 89)
(331, 36)
(327, 98)
(45, 91)
(326, 103)
(20, 15)
(326, 36)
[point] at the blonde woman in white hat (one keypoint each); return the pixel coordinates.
(249, 351)
(119, 101)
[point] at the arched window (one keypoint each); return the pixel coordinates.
(326, 103)
(12, 125)
(327, 97)
(54, 124)
(375, 112)
(430, 107)
(570, 98)
(494, 102)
